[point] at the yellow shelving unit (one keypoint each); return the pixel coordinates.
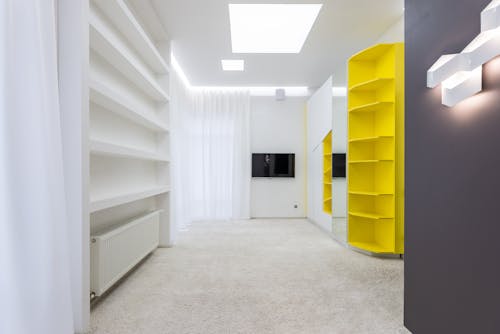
(376, 149)
(327, 173)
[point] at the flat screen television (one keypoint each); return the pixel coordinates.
(273, 165)
(338, 165)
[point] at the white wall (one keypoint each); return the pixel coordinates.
(279, 127)
(395, 33)
(339, 143)
(319, 120)
(319, 123)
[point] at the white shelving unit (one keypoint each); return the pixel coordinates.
(113, 67)
(107, 41)
(129, 135)
(122, 17)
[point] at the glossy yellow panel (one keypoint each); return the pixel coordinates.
(327, 173)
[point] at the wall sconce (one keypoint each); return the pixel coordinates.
(460, 75)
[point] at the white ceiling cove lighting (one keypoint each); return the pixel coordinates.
(460, 75)
(271, 28)
(292, 91)
(233, 64)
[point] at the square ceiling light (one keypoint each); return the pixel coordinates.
(233, 64)
(271, 28)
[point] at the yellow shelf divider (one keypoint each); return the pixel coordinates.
(376, 149)
(369, 215)
(369, 161)
(371, 247)
(372, 84)
(327, 173)
(371, 107)
(369, 139)
(370, 193)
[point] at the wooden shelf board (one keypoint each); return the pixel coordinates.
(369, 215)
(113, 49)
(124, 20)
(373, 84)
(369, 139)
(371, 247)
(112, 101)
(104, 148)
(372, 107)
(109, 201)
(370, 193)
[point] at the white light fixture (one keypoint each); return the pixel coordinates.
(445, 67)
(290, 91)
(461, 85)
(233, 64)
(490, 16)
(460, 75)
(271, 28)
(483, 48)
(339, 91)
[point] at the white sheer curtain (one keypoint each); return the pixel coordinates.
(211, 163)
(34, 263)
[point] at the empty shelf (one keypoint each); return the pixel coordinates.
(369, 161)
(373, 84)
(369, 215)
(370, 193)
(112, 101)
(105, 42)
(104, 148)
(369, 107)
(121, 16)
(372, 53)
(371, 247)
(369, 139)
(110, 201)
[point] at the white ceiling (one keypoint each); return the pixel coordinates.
(201, 37)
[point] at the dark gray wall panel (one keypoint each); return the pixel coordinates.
(452, 260)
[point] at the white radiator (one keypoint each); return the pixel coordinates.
(114, 252)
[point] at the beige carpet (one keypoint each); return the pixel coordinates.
(256, 276)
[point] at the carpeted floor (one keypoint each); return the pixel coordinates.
(257, 276)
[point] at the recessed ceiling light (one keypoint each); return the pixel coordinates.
(233, 64)
(271, 28)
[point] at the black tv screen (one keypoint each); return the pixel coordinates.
(273, 165)
(338, 165)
